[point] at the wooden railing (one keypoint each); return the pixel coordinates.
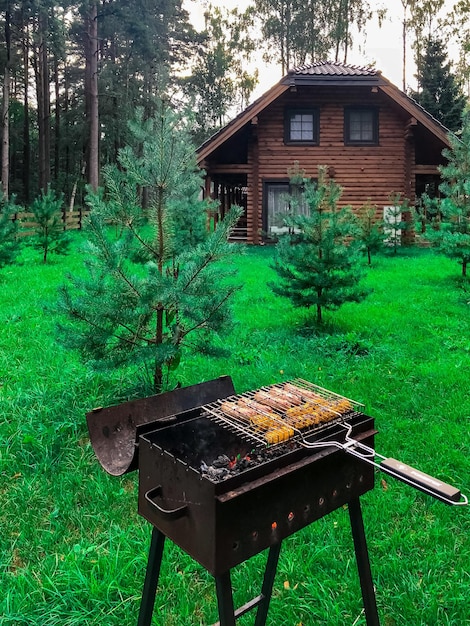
(71, 220)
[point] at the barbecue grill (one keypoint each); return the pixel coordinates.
(226, 475)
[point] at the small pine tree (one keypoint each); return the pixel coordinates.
(318, 263)
(427, 214)
(394, 225)
(156, 287)
(371, 233)
(453, 237)
(9, 243)
(50, 235)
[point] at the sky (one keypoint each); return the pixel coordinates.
(382, 47)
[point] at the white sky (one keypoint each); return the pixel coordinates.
(381, 47)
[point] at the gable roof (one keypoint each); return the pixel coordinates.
(326, 73)
(328, 68)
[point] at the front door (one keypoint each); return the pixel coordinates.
(276, 209)
(277, 206)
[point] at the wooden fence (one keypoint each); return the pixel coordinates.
(71, 220)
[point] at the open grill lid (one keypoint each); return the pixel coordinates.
(114, 431)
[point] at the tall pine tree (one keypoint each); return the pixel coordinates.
(439, 93)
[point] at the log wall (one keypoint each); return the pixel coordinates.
(366, 173)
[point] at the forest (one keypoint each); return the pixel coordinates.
(75, 72)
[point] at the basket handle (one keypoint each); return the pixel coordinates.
(414, 477)
(169, 514)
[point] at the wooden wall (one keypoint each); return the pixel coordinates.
(366, 173)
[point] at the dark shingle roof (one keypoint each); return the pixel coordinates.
(329, 68)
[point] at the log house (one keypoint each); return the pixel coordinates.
(373, 138)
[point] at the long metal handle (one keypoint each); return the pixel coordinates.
(407, 474)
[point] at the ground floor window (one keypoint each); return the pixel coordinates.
(277, 206)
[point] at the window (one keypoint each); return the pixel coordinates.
(301, 126)
(277, 207)
(361, 126)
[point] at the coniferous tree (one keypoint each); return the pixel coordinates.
(219, 82)
(50, 235)
(156, 285)
(453, 237)
(440, 93)
(318, 263)
(371, 232)
(9, 244)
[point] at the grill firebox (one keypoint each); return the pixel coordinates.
(221, 523)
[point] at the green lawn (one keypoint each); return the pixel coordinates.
(73, 549)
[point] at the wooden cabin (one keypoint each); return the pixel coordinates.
(373, 138)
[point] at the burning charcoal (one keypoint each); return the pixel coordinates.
(243, 464)
(214, 473)
(221, 461)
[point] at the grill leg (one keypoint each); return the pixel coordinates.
(268, 581)
(151, 577)
(363, 564)
(223, 586)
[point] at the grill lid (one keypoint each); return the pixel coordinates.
(114, 430)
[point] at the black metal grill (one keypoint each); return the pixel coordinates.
(225, 476)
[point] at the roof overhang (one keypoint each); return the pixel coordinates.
(364, 78)
(238, 122)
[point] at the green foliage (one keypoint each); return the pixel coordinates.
(9, 243)
(158, 284)
(427, 214)
(453, 237)
(394, 225)
(440, 93)
(50, 235)
(295, 32)
(219, 81)
(371, 233)
(318, 262)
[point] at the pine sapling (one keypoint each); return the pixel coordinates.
(453, 237)
(50, 235)
(9, 242)
(371, 232)
(318, 262)
(155, 287)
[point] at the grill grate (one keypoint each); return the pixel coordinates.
(276, 413)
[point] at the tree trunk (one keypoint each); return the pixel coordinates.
(43, 102)
(47, 104)
(404, 49)
(91, 87)
(5, 111)
(26, 136)
(57, 128)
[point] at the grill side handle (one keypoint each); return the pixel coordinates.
(428, 484)
(167, 514)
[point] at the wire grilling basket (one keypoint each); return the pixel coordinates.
(299, 410)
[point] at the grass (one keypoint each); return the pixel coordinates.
(73, 549)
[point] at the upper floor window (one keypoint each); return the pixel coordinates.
(361, 125)
(301, 126)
